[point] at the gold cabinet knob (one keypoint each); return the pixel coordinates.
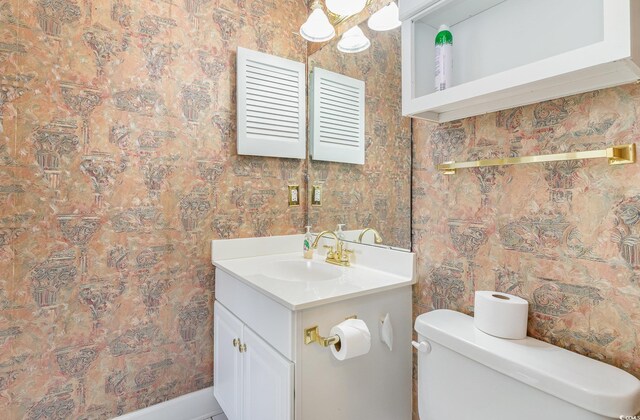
(236, 342)
(242, 348)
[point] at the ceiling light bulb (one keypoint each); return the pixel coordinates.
(354, 41)
(317, 27)
(385, 19)
(345, 7)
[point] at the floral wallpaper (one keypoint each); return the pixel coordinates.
(563, 235)
(378, 193)
(117, 167)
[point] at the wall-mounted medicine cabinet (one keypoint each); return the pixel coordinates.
(509, 53)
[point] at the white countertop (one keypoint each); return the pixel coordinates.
(357, 280)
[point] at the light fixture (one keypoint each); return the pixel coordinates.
(345, 7)
(353, 41)
(317, 27)
(385, 19)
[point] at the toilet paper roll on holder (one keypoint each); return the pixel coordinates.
(312, 335)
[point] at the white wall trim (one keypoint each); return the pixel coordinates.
(199, 405)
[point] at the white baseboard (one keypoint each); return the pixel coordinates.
(199, 405)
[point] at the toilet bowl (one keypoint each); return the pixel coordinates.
(464, 373)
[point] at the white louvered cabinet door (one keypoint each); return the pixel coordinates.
(337, 117)
(271, 96)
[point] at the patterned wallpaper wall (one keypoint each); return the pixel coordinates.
(117, 166)
(564, 235)
(378, 193)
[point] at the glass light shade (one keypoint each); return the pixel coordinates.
(317, 27)
(345, 7)
(385, 19)
(354, 41)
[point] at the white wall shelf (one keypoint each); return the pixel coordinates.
(510, 53)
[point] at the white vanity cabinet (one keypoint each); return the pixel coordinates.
(265, 300)
(509, 53)
(252, 380)
(277, 377)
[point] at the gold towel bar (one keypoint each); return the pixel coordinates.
(617, 155)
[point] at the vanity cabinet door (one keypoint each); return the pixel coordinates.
(267, 381)
(227, 367)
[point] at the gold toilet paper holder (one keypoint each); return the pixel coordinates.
(312, 335)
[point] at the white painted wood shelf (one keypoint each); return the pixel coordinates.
(509, 53)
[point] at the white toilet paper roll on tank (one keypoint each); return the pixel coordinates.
(501, 315)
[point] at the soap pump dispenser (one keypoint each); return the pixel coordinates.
(340, 232)
(307, 251)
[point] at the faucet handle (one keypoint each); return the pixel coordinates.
(344, 257)
(330, 251)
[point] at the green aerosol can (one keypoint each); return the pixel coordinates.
(444, 58)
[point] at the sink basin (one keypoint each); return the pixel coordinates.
(296, 270)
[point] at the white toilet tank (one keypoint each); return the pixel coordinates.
(464, 373)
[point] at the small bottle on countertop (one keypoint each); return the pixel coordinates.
(340, 232)
(444, 58)
(307, 251)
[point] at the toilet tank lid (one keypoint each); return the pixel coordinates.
(595, 386)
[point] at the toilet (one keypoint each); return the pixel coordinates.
(464, 373)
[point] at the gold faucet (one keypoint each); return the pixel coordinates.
(338, 257)
(377, 238)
